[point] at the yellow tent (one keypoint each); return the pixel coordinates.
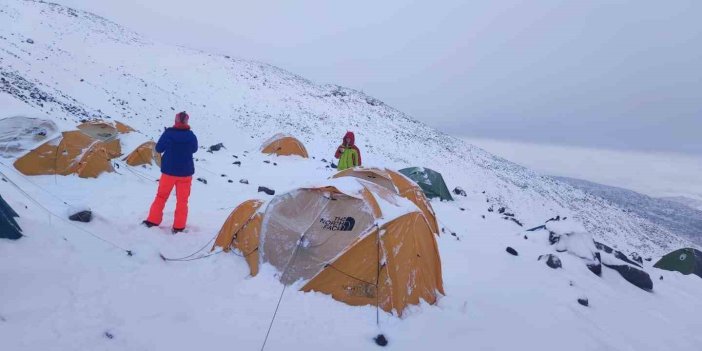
(397, 183)
(352, 239)
(144, 154)
(75, 152)
(284, 145)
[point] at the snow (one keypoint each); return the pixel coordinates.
(64, 288)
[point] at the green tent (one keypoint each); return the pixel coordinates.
(430, 181)
(685, 261)
(9, 229)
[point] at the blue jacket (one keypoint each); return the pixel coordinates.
(177, 147)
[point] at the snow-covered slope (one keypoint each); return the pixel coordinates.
(65, 289)
(675, 216)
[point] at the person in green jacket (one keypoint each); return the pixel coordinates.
(348, 153)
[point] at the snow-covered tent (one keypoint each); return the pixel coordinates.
(352, 239)
(74, 152)
(284, 145)
(397, 183)
(19, 134)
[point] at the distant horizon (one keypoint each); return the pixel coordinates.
(674, 174)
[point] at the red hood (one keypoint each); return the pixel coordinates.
(351, 136)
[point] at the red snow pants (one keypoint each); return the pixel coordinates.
(165, 186)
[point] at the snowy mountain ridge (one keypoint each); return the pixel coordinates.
(83, 66)
(71, 286)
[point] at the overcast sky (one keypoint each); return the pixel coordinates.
(607, 74)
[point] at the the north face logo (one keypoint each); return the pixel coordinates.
(344, 224)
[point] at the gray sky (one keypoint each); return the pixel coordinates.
(607, 74)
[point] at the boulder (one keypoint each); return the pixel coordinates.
(459, 191)
(512, 251)
(215, 147)
(263, 189)
(633, 275)
(82, 216)
(596, 265)
(202, 180)
(551, 260)
(244, 181)
(238, 163)
(584, 301)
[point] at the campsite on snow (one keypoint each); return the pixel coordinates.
(428, 243)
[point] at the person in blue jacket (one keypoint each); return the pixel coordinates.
(176, 146)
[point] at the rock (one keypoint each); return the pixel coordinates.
(483, 216)
(459, 191)
(333, 165)
(634, 276)
(620, 255)
(275, 164)
(266, 161)
(636, 258)
(602, 247)
(215, 147)
(501, 210)
(263, 189)
(238, 163)
(553, 238)
(230, 181)
(30, 41)
(202, 180)
(648, 259)
(596, 265)
(324, 160)
(243, 181)
(526, 237)
(235, 156)
(551, 260)
(223, 175)
(583, 301)
(109, 335)
(511, 251)
(380, 340)
(461, 208)
(661, 278)
(82, 216)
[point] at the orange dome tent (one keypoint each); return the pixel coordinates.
(144, 154)
(75, 152)
(351, 239)
(284, 145)
(399, 184)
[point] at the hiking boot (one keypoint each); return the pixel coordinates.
(177, 230)
(149, 224)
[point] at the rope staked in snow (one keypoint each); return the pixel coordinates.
(280, 299)
(129, 252)
(37, 185)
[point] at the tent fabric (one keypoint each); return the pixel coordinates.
(18, 135)
(400, 185)
(9, 229)
(431, 182)
(144, 154)
(686, 261)
(75, 153)
(355, 240)
(99, 130)
(241, 231)
(284, 145)
(123, 128)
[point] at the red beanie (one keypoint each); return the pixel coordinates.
(181, 120)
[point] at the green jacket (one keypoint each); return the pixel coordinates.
(348, 159)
